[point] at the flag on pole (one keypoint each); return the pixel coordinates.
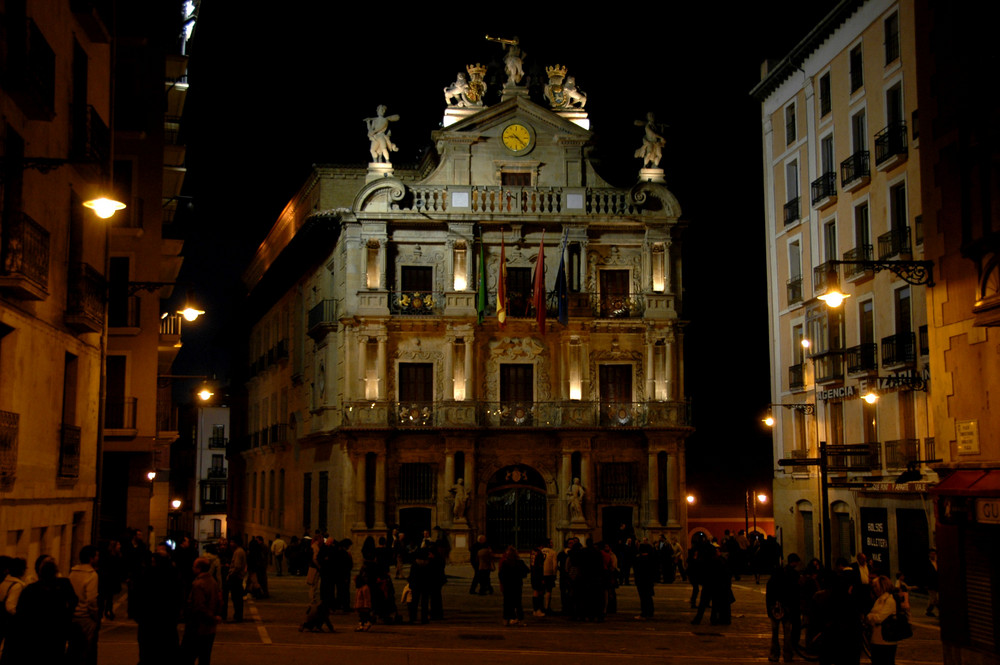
(481, 295)
(562, 288)
(539, 296)
(502, 287)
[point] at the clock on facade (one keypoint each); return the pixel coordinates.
(518, 138)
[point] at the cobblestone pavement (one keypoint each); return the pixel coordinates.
(473, 632)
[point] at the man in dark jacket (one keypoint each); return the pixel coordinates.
(201, 615)
(782, 601)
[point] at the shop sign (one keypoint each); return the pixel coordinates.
(898, 487)
(840, 392)
(875, 537)
(968, 436)
(988, 511)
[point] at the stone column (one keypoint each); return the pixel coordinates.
(653, 490)
(380, 368)
(565, 469)
(673, 489)
(668, 360)
(668, 268)
(363, 365)
(449, 367)
(469, 346)
(380, 492)
(650, 368)
(358, 462)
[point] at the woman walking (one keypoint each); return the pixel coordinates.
(511, 574)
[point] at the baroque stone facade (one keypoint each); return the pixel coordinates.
(381, 376)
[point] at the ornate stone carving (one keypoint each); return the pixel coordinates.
(562, 95)
(597, 259)
(513, 59)
(411, 351)
(518, 349)
(616, 354)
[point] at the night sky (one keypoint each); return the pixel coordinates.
(272, 93)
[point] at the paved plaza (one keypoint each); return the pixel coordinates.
(473, 632)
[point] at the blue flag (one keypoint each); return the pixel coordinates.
(562, 289)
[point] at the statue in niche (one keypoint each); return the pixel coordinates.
(575, 494)
(651, 151)
(379, 133)
(460, 501)
(513, 59)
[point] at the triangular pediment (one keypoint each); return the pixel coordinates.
(490, 120)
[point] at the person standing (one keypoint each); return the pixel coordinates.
(645, 578)
(932, 582)
(201, 614)
(883, 650)
(111, 571)
(485, 565)
(44, 616)
(549, 570)
(278, 552)
(511, 576)
(234, 579)
(782, 602)
(10, 591)
(87, 614)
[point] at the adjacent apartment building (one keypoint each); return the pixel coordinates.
(842, 180)
(384, 389)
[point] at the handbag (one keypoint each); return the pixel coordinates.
(896, 628)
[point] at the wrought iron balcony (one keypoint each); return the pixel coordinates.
(794, 290)
(859, 253)
(824, 189)
(793, 211)
(829, 366)
(825, 275)
(119, 413)
(30, 71)
(899, 349)
(613, 306)
(69, 451)
(861, 358)
(91, 140)
(170, 329)
(894, 243)
(217, 472)
(25, 250)
(416, 303)
(85, 298)
(855, 171)
(890, 145)
(8, 448)
(855, 458)
(217, 442)
(796, 376)
(900, 452)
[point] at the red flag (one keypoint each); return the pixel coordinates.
(539, 296)
(502, 288)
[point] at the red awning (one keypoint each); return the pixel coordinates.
(970, 482)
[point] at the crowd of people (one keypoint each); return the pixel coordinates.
(58, 619)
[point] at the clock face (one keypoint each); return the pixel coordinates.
(517, 138)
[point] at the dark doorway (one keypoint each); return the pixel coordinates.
(913, 543)
(612, 517)
(413, 522)
(516, 508)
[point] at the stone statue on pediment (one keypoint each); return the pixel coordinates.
(379, 133)
(651, 151)
(513, 58)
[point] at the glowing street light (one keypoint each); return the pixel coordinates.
(104, 208)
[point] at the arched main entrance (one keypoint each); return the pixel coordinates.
(515, 508)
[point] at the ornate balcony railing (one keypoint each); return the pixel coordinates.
(900, 349)
(8, 448)
(900, 452)
(69, 451)
(857, 458)
(25, 249)
(793, 211)
(824, 187)
(829, 366)
(501, 200)
(796, 376)
(859, 253)
(794, 290)
(618, 306)
(537, 415)
(119, 413)
(85, 298)
(890, 142)
(861, 358)
(894, 243)
(416, 303)
(170, 326)
(854, 168)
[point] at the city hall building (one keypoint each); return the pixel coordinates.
(385, 390)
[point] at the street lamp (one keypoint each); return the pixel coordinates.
(176, 504)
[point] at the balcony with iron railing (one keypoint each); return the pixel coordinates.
(217, 472)
(929, 449)
(829, 366)
(9, 425)
(890, 146)
(85, 298)
(119, 413)
(854, 458)
(609, 305)
(217, 442)
(824, 190)
(852, 271)
(896, 242)
(793, 211)
(24, 245)
(794, 290)
(30, 69)
(170, 329)
(901, 452)
(855, 171)
(69, 452)
(825, 275)
(538, 415)
(861, 359)
(322, 319)
(796, 376)
(899, 350)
